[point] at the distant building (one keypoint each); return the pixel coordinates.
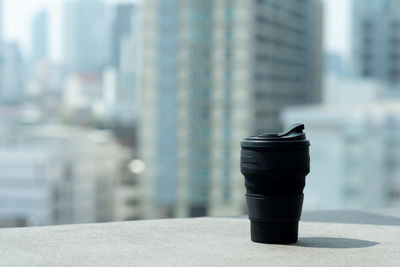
(355, 147)
(127, 196)
(81, 94)
(334, 64)
(214, 72)
(122, 81)
(121, 27)
(376, 40)
(110, 83)
(57, 175)
(40, 36)
(11, 74)
(85, 32)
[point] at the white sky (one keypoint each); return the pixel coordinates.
(18, 15)
(337, 26)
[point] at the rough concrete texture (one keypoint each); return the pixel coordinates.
(206, 242)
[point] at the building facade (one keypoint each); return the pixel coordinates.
(53, 174)
(355, 144)
(85, 35)
(122, 79)
(40, 36)
(121, 27)
(12, 74)
(376, 40)
(214, 72)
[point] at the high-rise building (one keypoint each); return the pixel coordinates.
(121, 27)
(214, 72)
(39, 38)
(85, 34)
(285, 57)
(376, 40)
(122, 81)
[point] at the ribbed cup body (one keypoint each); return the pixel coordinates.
(275, 171)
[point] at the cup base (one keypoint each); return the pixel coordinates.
(274, 233)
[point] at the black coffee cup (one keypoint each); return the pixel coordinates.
(275, 167)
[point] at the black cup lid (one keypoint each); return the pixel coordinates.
(293, 137)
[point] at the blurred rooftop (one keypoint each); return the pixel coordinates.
(326, 238)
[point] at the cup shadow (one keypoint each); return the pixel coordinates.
(333, 242)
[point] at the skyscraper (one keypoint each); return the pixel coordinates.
(214, 72)
(39, 38)
(121, 27)
(84, 35)
(121, 90)
(376, 39)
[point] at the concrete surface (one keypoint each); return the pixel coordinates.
(327, 238)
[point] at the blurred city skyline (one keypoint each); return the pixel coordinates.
(159, 93)
(17, 21)
(336, 24)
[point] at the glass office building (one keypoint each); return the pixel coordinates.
(214, 72)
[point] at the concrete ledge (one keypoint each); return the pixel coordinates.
(205, 242)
